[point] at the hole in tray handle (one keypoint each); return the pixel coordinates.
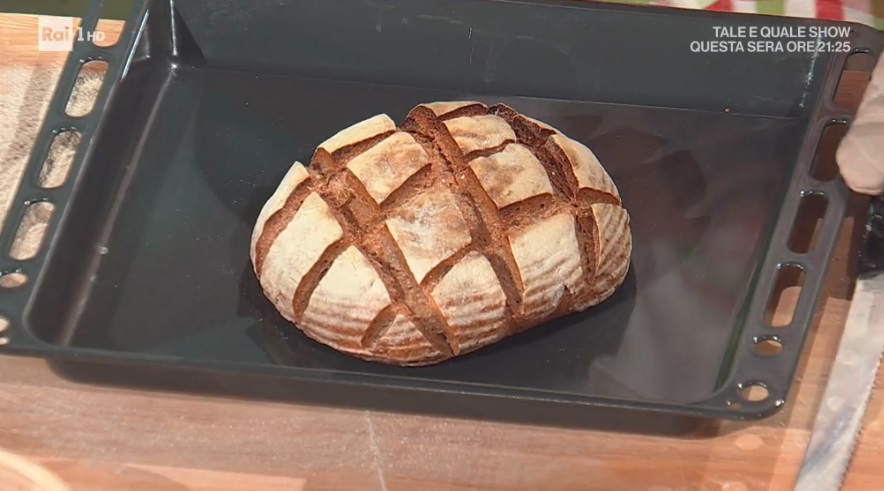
(89, 83)
(753, 392)
(57, 165)
(768, 345)
(14, 279)
(853, 79)
(31, 233)
(808, 222)
(107, 29)
(784, 295)
(824, 167)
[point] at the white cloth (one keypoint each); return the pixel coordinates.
(861, 153)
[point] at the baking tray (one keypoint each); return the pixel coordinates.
(144, 276)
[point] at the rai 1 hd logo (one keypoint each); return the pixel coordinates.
(59, 34)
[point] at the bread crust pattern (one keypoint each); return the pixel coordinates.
(415, 244)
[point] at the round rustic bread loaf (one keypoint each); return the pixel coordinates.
(416, 244)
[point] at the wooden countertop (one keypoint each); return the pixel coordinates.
(99, 438)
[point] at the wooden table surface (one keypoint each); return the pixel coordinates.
(99, 438)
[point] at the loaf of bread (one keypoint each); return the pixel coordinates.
(416, 244)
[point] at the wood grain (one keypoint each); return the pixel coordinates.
(99, 438)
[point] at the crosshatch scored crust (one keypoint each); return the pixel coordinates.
(416, 244)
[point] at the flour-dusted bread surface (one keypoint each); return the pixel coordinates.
(414, 244)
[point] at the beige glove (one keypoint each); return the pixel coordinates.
(861, 153)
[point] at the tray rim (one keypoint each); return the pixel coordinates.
(720, 405)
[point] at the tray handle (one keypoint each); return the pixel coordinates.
(20, 276)
(748, 390)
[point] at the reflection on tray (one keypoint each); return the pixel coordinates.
(535, 358)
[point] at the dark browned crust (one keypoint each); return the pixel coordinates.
(486, 152)
(566, 195)
(346, 153)
(468, 110)
(489, 234)
(364, 225)
(277, 222)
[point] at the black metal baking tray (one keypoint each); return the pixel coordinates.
(206, 104)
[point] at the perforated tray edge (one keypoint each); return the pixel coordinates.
(748, 367)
